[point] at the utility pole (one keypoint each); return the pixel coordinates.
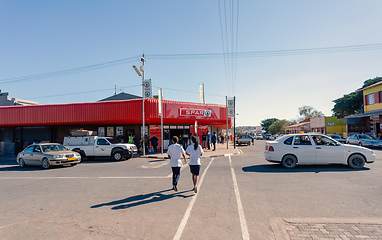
(143, 103)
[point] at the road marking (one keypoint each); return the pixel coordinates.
(243, 222)
(183, 223)
(241, 151)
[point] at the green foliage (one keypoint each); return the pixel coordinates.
(278, 126)
(352, 103)
(308, 112)
(267, 122)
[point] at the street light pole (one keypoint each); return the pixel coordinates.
(143, 59)
(143, 103)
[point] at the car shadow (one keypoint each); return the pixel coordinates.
(17, 168)
(277, 168)
(141, 199)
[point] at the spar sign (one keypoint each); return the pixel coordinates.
(186, 112)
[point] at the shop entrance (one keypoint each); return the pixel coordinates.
(181, 131)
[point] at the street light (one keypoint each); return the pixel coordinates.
(143, 60)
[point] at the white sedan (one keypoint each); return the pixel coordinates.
(313, 148)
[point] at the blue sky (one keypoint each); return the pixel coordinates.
(47, 36)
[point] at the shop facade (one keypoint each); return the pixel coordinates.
(21, 125)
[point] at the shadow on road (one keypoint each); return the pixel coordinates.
(144, 199)
(277, 168)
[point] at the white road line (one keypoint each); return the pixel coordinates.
(183, 223)
(243, 222)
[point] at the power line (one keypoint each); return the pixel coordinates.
(84, 92)
(225, 55)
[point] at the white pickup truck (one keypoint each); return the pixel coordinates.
(94, 146)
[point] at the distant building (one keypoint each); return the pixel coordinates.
(120, 97)
(329, 125)
(297, 128)
(5, 100)
(368, 122)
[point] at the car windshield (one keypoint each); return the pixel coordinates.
(243, 136)
(364, 136)
(111, 140)
(335, 136)
(53, 148)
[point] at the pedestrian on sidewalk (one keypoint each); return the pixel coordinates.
(175, 152)
(208, 140)
(213, 140)
(204, 140)
(195, 151)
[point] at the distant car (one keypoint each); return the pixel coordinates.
(364, 140)
(337, 138)
(47, 154)
(312, 148)
(243, 140)
(259, 137)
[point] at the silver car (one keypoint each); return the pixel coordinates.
(364, 140)
(47, 154)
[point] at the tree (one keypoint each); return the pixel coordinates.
(278, 126)
(352, 103)
(267, 122)
(308, 112)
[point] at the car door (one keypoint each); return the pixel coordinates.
(354, 140)
(304, 149)
(102, 147)
(36, 155)
(27, 155)
(329, 151)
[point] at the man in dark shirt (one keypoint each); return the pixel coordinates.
(204, 140)
(154, 143)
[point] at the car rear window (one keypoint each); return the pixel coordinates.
(288, 141)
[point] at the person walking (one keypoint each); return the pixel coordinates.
(154, 143)
(213, 140)
(204, 140)
(175, 152)
(208, 140)
(195, 151)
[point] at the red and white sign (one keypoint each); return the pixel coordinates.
(195, 112)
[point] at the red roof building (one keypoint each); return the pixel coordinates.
(52, 122)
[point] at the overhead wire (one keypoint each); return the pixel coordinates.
(253, 54)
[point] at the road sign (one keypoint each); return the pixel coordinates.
(231, 107)
(147, 88)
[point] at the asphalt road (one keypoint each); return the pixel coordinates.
(239, 197)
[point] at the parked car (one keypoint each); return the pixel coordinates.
(338, 138)
(364, 140)
(243, 140)
(46, 155)
(313, 148)
(95, 146)
(259, 137)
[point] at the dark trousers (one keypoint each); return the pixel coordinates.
(175, 175)
(208, 144)
(214, 143)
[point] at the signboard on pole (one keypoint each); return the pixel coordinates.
(160, 101)
(231, 107)
(201, 92)
(147, 88)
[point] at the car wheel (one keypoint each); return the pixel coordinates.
(360, 144)
(356, 161)
(45, 163)
(289, 161)
(21, 162)
(118, 155)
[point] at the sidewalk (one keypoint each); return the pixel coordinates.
(221, 150)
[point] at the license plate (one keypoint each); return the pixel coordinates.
(71, 159)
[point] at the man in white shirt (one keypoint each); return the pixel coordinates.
(175, 152)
